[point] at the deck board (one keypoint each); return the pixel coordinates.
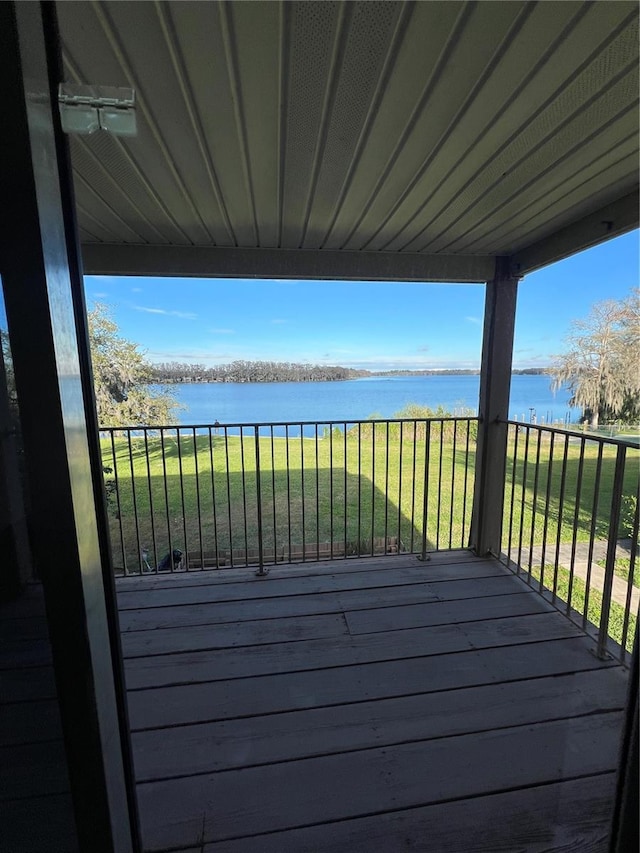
(363, 705)
(189, 750)
(299, 793)
(566, 817)
(535, 622)
(312, 604)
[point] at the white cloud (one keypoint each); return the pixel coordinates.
(278, 322)
(393, 362)
(475, 320)
(136, 290)
(184, 315)
(100, 295)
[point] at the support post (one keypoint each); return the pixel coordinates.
(42, 287)
(493, 410)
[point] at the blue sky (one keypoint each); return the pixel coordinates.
(358, 324)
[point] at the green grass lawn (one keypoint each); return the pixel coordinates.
(622, 569)
(575, 594)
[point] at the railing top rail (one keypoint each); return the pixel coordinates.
(629, 441)
(250, 425)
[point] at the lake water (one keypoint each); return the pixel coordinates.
(357, 399)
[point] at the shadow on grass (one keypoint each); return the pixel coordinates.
(322, 514)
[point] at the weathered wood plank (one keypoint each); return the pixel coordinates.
(564, 817)
(38, 825)
(169, 640)
(20, 685)
(31, 770)
(30, 602)
(194, 667)
(305, 605)
(29, 722)
(17, 653)
(24, 628)
(315, 569)
(180, 812)
(271, 608)
(440, 613)
(170, 596)
(406, 616)
(189, 750)
(192, 703)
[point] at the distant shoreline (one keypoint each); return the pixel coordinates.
(266, 372)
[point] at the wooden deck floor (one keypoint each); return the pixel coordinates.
(371, 705)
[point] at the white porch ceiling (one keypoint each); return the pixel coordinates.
(398, 139)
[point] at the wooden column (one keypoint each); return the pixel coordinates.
(495, 380)
(42, 288)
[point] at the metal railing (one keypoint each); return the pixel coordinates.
(217, 496)
(570, 527)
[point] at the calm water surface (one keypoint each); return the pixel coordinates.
(357, 399)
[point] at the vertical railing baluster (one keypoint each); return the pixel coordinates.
(273, 496)
(373, 486)
(400, 463)
(141, 558)
(198, 503)
(453, 482)
(286, 438)
(534, 501)
(359, 485)
(153, 526)
(244, 497)
(438, 511)
(346, 490)
(118, 505)
(463, 538)
(592, 536)
(563, 481)
(331, 489)
(612, 544)
(228, 474)
(166, 498)
(184, 511)
(545, 526)
(303, 498)
(513, 495)
(386, 488)
(213, 501)
(317, 497)
(576, 519)
(262, 570)
(425, 497)
(413, 484)
(525, 463)
(632, 567)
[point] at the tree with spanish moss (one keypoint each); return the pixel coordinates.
(601, 364)
(121, 378)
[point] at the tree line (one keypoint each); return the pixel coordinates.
(250, 371)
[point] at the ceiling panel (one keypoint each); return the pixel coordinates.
(414, 128)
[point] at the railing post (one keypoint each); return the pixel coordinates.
(262, 570)
(614, 524)
(425, 497)
(493, 409)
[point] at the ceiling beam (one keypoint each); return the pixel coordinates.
(214, 262)
(609, 221)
